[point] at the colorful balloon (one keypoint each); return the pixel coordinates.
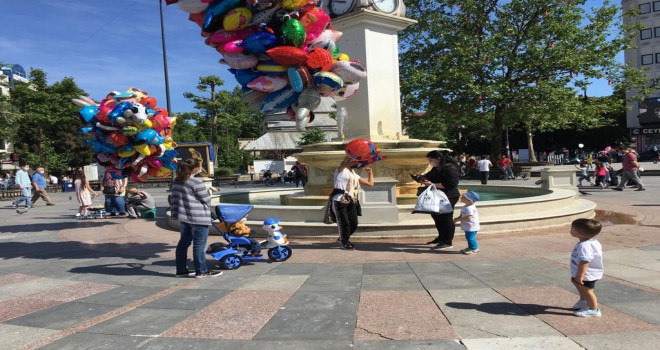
(237, 19)
(293, 32)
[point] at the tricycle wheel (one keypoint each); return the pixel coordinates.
(231, 262)
(279, 253)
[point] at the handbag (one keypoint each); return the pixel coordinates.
(345, 199)
(432, 201)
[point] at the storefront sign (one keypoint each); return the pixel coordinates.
(644, 131)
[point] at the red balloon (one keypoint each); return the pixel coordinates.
(287, 55)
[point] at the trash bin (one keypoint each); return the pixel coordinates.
(67, 186)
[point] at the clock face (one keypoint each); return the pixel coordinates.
(386, 6)
(341, 7)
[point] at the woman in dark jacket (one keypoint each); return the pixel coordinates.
(445, 175)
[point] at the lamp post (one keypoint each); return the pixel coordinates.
(581, 152)
(167, 79)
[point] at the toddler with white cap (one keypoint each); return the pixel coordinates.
(469, 220)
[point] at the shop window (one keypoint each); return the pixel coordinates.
(645, 8)
(656, 6)
(647, 59)
(645, 34)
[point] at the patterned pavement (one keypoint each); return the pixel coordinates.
(108, 284)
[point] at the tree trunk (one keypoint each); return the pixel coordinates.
(530, 145)
(498, 123)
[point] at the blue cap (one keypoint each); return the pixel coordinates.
(271, 221)
(471, 196)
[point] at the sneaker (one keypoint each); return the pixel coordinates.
(471, 251)
(435, 241)
(346, 246)
(464, 250)
(77, 215)
(13, 205)
(581, 304)
(208, 274)
(50, 204)
(618, 189)
(641, 189)
(185, 274)
(587, 313)
(443, 246)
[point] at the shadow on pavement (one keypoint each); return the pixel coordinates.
(119, 269)
(49, 226)
(394, 246)
(510, 309)
(78, 250)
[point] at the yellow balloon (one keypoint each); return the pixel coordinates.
(126, 153)
(293, 4)
(163, 172)
(143, 149)
(343, 57)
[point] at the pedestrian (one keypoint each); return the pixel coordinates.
(40, 186)
(484, 169)
(590, 161)
(630, 168)
(469, 219)
(268, 177)
(299, 173)
(53, 179)
(114, 190)
(505, 165)
(601, 173)
(22, 180)
(6, 181)
(586, 266)
(344, 199)
(445, 175)
(584, 174)
(655, 153)
(84, 193)
(191, 206)
(462, 163)
(136, 201)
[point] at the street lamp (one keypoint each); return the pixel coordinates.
(581, 152)
(167, 79)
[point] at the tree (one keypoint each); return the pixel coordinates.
(512, 62)
(223, 113)
(44, 124)
(311, 136)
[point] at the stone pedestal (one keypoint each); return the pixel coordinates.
(379, 202)
(558, 178)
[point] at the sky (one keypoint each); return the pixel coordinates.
(115, 45)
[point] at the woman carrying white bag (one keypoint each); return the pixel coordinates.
(444, 175)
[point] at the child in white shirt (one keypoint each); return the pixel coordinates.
(586, 266)
(469, 220)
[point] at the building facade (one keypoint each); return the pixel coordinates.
(9, 73)
(643, 118)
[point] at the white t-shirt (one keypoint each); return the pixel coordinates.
(471, 224)
(53, 180)
(484, 165)
(341, 181)
(592, 252)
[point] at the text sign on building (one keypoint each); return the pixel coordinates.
(644, 131)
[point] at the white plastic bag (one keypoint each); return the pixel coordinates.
(432, 201)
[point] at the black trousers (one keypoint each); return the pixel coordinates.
(347, 219)
(444, 223)
(484, 177)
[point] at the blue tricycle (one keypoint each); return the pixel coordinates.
(231, 255)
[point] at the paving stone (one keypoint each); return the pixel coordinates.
(61, 316)
(391, 282)
(78, 341)
(121, 296)
(400, 315)
(308, 325)
(162, 343)
(187, 299)
(408, 345)
(30, 287)
(554, 306)
(275, 282)
(238, 315)
(15, 336)
(484, 313)
(645, 310)
(332, 301)
(617, 341)
(321, 282)
(549, 343)
(389, 268)
(297, 344)
(453, 279)
(294, 269)
(434, 267)
(141, 322)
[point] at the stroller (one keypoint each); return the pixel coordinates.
(232, 255)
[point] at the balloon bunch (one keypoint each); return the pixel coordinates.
(364, 151)
(282, 52)
(132, 137)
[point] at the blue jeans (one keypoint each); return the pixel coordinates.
(115, 204)
(471, 237)
(197, 235)
(26, 196)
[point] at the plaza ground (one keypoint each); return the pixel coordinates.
(108, 284)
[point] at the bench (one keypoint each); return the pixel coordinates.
(226, 180)
(9, 194)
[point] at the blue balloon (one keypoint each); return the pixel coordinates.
(118, 111)
(279, 100)
(87, 113)
(86, 130)
(295, 80)
(215, 13)
(259, 43)
(149, 136)
(245, 76)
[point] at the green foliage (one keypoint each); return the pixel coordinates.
(224, 171)
(44, 125)
(511, 62)
(311, 136)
